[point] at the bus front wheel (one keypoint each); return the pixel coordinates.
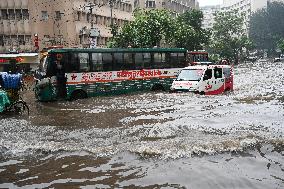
(78, 94)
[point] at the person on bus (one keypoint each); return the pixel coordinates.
(224, 62)
(61, 80)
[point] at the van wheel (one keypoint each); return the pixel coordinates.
(78, 94)
(157, 87)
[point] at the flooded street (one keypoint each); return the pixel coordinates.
(152, 139)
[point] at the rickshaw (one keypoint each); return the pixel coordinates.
(10, 99)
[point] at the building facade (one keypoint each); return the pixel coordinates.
(31, 25)
(209, 15)
(177, 6)
(58, 22)
(246, 7)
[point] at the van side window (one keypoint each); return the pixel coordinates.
(208, 74)
(227, 72)
(218, 73)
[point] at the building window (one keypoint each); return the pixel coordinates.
(1, 40)
(136, 3)
(11, 14)
(21, 40)
(44, 15)
(58, 15)
(25, 13)
(28, 39)
(88, 17)
(19, 15)
(4, 14)
(78, 16)
(150, 4)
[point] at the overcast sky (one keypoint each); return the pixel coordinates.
(209, 2)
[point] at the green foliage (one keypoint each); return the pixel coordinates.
(267, 26)
(188, 32)
(229, 38)
(147, 30)
(280, 44)
(154, 27)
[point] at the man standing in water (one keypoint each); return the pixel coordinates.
(61, 79)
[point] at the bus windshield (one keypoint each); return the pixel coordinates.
(190, 75)
(198, 57)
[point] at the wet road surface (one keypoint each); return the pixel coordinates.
(152, 139)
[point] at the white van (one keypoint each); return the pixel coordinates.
(204, 79)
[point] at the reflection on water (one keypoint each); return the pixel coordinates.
(152, 140)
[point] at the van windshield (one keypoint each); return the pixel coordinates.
(190, 75)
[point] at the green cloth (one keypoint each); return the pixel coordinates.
(4, 100)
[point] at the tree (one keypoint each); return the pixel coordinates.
(188, 32)
(229, 38)
(267, 26)
(280, 45)
(155, 27)
(148, 29)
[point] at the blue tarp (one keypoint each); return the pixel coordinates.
(11, 81)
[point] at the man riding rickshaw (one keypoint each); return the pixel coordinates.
(10, 86)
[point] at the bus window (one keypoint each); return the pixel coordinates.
(128, 61)
(107, 61)
(118, 61)
(139, 64)
(159, 60)
(53, 60)
(84, 62)
(74, 64)
(177, 60)
(147, 60)
(97, 62)
(181, 61)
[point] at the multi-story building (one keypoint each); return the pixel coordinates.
(247, 7)
(70, 23)
(58, 22)
(177, 6)
(209, 15)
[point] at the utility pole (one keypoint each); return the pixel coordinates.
(94, 33)
(112, 25)
(91, 6)
(111, 7)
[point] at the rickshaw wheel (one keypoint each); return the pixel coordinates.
(19, 107)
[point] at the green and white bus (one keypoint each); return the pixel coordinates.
(80, 73)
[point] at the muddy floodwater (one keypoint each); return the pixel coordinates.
(153, 139)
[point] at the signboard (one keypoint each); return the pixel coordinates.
(94, 32)
(93, 42)
(3, 60)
